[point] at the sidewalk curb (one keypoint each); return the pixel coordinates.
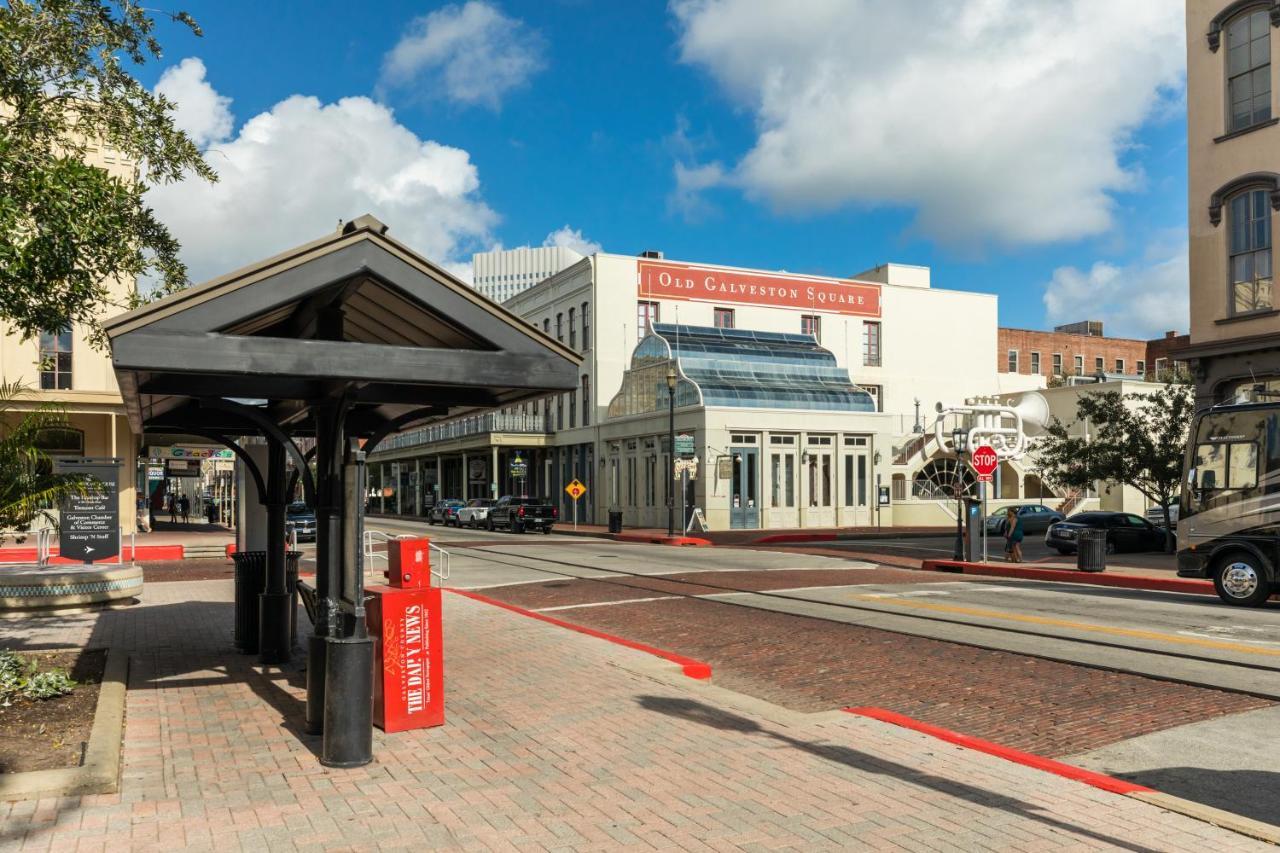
(803, 538)
(1188, 808)
(1183, 585)
(1017, 756)
(691, 668)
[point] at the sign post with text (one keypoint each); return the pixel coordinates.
(89, 522)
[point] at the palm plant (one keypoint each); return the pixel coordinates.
(29, 488)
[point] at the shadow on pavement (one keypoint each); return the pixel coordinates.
(716, 718)
(1249, 793)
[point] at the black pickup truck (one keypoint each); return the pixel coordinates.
(521, 514)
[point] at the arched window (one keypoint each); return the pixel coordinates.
(1248, 69)
(942, 479)
(1249, 250)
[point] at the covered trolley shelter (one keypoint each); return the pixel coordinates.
(344, 340)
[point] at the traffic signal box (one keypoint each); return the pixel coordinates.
(404, 618)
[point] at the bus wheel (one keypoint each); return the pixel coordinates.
(1241, 581)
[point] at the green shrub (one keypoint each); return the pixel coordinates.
(21, 677)
(48, 684)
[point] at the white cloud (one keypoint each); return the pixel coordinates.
(995, 120)
(473, 53)
(571, 238)
(1142, 300)
(293, 172)
(200, 111)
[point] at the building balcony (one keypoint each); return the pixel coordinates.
(463, 427)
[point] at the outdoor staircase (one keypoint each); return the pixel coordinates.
(1071, 501)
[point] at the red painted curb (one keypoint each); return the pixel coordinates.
(1017, 756)
(144, 553)
(1187, 585)
(790, 538)
(692, 668)
(662, 539)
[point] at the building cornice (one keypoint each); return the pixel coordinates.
(1214, 36)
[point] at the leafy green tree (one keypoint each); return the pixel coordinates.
(1135, 440)
(29, 488)
(67, 229)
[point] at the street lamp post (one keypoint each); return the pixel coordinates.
(957, 441)
(671, 431)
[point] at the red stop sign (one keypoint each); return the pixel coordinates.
(984, 461)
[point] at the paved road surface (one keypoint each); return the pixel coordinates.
(634, 589)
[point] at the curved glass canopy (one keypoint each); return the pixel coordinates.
(736, 368)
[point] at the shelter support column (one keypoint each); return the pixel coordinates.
(348, 671)
(274, 642)
(328, 555)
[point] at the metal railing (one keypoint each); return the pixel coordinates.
(474, 425)
(439, 567)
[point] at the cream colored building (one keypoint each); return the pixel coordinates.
(897, 345)
(1233, 159)
(66, 369)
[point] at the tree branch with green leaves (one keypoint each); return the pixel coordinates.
(1136, 439)
(30, 489)
(70, 230)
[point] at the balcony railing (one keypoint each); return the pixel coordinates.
(474, 425)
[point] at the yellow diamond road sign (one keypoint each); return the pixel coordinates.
(575, 489)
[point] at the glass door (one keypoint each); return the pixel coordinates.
(744, 498)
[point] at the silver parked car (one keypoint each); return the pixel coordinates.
(1035, 518)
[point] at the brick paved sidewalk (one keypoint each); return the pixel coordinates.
(554, 740)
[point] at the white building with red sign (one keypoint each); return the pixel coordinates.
(781, 440)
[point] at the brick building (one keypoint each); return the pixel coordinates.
(1081, 349)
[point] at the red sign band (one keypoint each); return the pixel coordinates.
(708, 284)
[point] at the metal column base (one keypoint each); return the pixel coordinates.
(273, 633)
(317, 647)
(348, 702)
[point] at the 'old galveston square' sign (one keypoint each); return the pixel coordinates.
(711, 284)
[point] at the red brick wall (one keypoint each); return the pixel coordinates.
(1160, 347)
(1027, 341)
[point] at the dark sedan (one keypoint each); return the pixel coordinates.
(303, 519)
(1035, 518)
(1125, 532)
(446, 512)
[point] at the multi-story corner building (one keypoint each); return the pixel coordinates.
(504, 273)
(61, 366)
(1233, 164)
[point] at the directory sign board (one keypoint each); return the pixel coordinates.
(89, 523)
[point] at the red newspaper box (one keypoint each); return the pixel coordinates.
(404, 621)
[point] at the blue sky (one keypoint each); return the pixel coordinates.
(812, 142)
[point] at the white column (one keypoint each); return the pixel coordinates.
(251, 530)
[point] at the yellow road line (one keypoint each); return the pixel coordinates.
(1135, 633)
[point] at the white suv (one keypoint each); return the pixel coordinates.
(475, 513)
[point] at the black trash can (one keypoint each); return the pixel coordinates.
(291, 559)
(615, 521)
(1091, 550)
(250, 581)
(212, 512)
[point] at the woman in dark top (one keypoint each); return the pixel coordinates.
(1013, 535)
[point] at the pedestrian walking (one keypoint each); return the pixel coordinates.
(184, 505)
(143, 513)
(1012, 536)
(172, 501)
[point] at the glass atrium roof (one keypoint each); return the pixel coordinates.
(737, 368)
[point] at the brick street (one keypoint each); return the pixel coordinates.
(554, 741)
(1042, 706)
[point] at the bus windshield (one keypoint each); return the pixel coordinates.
(1234, 455)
